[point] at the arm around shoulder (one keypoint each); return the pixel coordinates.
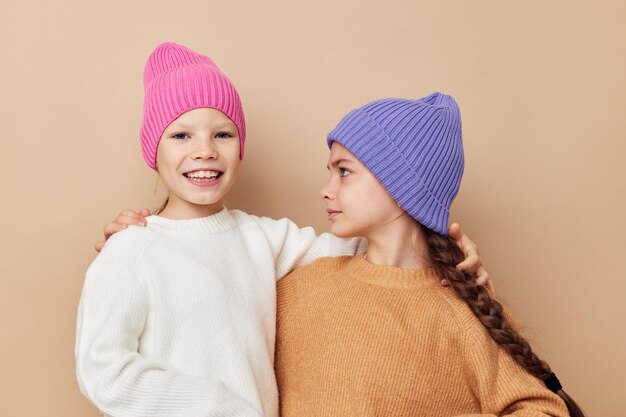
(295, 247)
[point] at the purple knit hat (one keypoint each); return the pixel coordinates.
(176, 80)
(414, 148)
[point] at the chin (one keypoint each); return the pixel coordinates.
(342, 232)
(206, 201)
(201, 200)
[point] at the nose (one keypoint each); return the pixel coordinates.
(327, 193)
(204, 149)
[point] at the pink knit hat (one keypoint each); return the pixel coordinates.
(176, 80)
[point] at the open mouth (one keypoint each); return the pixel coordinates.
(205, 178)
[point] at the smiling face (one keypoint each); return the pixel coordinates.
(198, 161)
(357, 204)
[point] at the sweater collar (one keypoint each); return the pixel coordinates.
(389, 276)
(221, 221)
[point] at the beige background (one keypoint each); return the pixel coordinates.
(542, 89)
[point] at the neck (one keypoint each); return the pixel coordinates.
(180, 210)
(399, 243)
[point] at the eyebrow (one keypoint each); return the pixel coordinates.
(337, 162)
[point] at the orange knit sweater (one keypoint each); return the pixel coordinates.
(357, 339)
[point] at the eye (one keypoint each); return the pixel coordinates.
(224, 135)
(180, 136)
(344, 172)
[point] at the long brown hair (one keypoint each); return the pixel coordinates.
(444, 255)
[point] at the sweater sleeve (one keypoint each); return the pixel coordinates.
(118, 379)
(502, 386)
(294, 247)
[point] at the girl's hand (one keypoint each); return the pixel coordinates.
(123, 220)
(472, 263)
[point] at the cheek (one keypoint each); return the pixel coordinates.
(230, 154)
(166, 166)
(232, 170)
(372, 205)
(360, 195)
(167, 155)
(383, 204)
(168, 162)
(235, 164)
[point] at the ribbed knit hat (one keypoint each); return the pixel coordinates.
(414, 148)
(176, 80)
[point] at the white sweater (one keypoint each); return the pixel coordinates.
(178, 318)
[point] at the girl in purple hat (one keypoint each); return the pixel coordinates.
(178, 318)
(376, 334)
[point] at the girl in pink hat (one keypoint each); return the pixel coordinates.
(178, 318)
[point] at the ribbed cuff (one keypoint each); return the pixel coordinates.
(361, 135)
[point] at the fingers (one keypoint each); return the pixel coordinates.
(133, 220)
(113, 228)
(471, 264)
(454, 231)
(482, 277)
(129, 217)
(124, 219)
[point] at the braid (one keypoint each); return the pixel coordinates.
(444, 256)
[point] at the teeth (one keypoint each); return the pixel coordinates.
(203, 174)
